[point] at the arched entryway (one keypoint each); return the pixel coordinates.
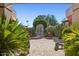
(39, 30)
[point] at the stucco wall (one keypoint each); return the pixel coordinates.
(75, 12)
(69, 12)
(75, 5)
(8, 11)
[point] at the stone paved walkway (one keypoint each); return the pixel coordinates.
(44, 47)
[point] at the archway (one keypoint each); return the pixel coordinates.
(40, 26)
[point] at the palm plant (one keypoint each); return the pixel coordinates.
(71, 39)
(13, 37)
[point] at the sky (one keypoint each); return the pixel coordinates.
(29, 12)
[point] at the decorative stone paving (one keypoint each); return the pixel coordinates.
(43, 47)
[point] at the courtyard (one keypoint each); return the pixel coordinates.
(39, 30)
(44, 47)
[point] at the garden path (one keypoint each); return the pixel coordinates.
(43, 47)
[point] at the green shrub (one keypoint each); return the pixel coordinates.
(14, 37)
(39, 21)
(71, 40)
(49, 30)
(31, 31)
(55, 30)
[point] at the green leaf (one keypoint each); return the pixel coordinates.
(6, 33)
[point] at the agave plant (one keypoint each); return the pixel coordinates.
(13, 37)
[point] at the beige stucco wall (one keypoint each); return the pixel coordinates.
(7, 14)
(7, 4)
(72, 11)
(75, 5)
(75, 12)
(8, 11)
(69, 12)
